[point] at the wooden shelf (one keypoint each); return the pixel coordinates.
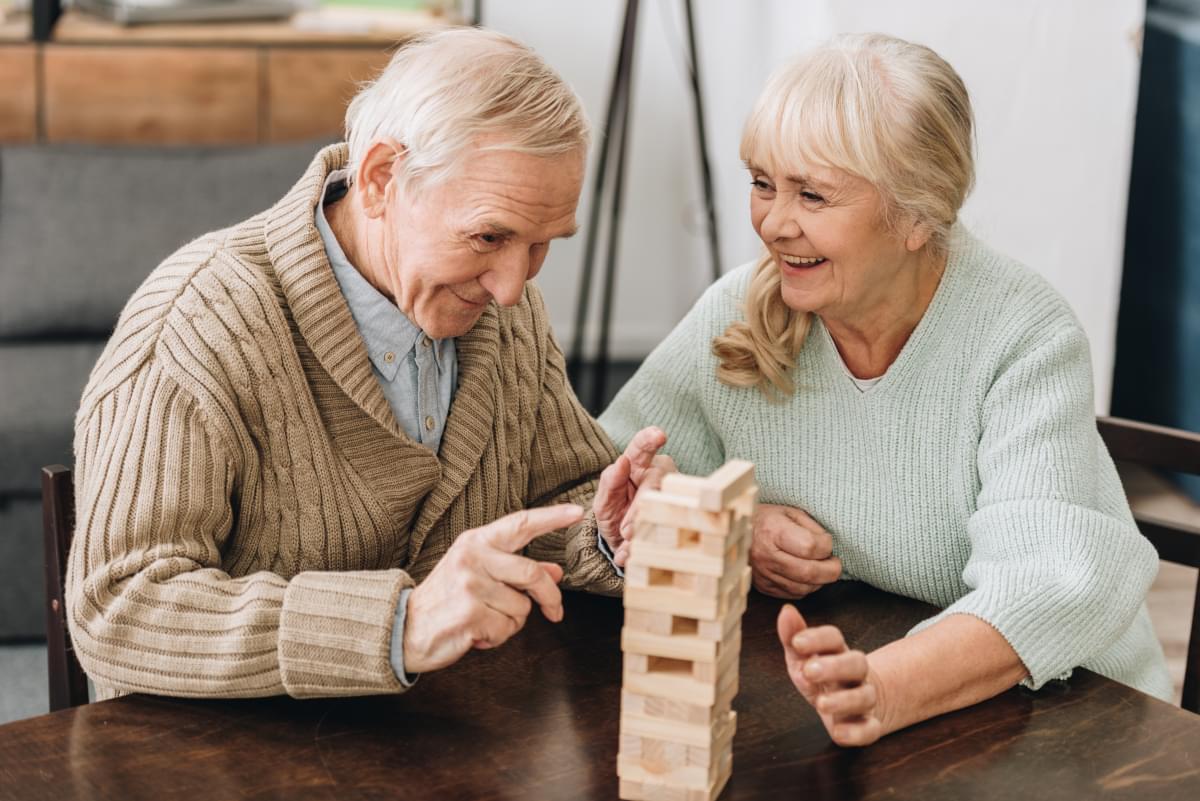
(18, 93)
(78, 28)
(195, 84)
(15, 27)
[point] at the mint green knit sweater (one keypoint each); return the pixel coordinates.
(970, 477)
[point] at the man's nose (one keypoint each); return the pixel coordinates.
(506, 280)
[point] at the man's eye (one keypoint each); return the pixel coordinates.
(491, 239)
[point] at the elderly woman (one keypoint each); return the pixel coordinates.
(924, 398)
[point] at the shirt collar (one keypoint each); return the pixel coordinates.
(384, 328)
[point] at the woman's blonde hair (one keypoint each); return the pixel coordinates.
(889, 111)
(442, 91)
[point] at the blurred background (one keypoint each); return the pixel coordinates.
(1088, 171)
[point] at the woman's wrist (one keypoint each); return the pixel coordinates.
(888, 696)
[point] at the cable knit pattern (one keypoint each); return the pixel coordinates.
(248, 508)
(971, 476)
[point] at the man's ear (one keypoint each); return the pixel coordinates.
(377, 172)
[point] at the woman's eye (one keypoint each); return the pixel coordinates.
(761, 185)
(812, 196)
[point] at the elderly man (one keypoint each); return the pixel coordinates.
(301, 417)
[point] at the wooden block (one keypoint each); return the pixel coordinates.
(680, 511)
(682, 539)
(743, 505)
(635, 663)
(653, 707)
(676, 687)
(663, 787)
(640, 770)
(684, 647)
(668, 624)
(638, 574)
(676, 647)
(726, 484)
(667, 555)
(697, 766)
(674, 679)
(723, 488)
(673, 731)
(709, 669)
(308, 89)
(684, 485)
(151, 95)
(660, 623)
(18, 99)
(718, 629)
(670, 599)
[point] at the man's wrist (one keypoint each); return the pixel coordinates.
(607, 550)
(400, 646)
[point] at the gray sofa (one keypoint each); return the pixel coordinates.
(80, 228)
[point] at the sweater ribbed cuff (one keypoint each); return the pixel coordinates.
(1059, 581)
(585, 567)
(335, 633)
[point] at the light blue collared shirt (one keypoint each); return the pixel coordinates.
(418, 375)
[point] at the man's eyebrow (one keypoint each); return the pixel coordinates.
(500, 229)
(497, 228)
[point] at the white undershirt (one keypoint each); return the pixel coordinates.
(863, 384)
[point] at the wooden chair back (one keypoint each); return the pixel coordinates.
(68, 682)
(1178, 541)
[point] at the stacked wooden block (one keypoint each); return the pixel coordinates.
(685, 591)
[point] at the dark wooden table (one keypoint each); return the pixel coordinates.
(537, 719)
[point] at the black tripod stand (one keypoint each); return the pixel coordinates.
(616, 136)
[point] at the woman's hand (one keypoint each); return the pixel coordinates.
(838, 682)
(639, 467)
(791, 555)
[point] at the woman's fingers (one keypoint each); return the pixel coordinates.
(847, 703)
(847, 668)
(789, 625)
(820, 640)
(831, 677)
(856, 731)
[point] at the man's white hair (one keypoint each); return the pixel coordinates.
(444, 91)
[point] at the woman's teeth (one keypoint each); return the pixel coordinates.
(802, 261)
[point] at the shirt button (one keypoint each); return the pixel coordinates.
(425, 341)
(429, 422)
(389, 357)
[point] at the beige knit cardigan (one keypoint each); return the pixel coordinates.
(248, 508)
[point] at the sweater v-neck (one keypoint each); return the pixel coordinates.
(912, 354)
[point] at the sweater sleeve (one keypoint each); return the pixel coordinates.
(666, 392)
(150, 607)
(1057, 565)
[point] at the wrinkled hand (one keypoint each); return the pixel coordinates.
(791, 555)
(640, 466)
(838, 682)
(481, 591)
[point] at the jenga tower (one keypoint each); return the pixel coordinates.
(685, 591)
